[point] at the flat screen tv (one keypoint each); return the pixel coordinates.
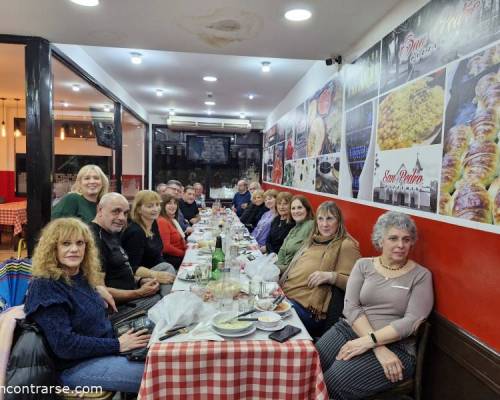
(104, 129)
(208, 149)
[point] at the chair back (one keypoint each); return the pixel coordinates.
(335, 308)
(422, 340)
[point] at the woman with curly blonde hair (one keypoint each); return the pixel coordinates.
(91, 184)
(63, 300)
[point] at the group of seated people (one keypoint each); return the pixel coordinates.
(90, 258)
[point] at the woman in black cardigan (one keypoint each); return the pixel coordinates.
(254, 211)
(142, 242)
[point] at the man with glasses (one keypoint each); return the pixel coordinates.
(241, 198)
(174, 188)
(110, 220)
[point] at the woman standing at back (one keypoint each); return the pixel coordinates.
(91, 184)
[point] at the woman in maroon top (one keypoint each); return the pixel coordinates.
(174, 245)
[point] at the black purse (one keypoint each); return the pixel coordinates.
(31, 362)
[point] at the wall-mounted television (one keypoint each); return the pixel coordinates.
(208, 149)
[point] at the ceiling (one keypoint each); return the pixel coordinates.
(182, 41)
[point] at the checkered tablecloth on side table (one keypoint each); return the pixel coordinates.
(14, 214)
(232, 370)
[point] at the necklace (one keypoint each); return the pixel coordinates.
(390, 267)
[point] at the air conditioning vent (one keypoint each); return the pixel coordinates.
(209, 124)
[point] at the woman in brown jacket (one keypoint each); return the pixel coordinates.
(325, 259)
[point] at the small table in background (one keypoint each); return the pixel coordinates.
(14, 214)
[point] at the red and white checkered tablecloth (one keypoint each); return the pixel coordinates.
(246, 369)
(14, 214)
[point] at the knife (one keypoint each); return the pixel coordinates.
(173, 333)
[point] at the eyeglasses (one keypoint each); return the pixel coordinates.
(176, 189)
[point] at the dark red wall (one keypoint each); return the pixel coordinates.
(465, 265)
(8, 187)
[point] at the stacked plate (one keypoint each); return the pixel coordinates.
(231, 328)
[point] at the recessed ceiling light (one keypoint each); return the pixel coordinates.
(76, 87)
(87, 3)
(298, 14)
(242, 115)
(171, 112)
(210, 78)
(266, 66)
(159, 92)
(210, 103)
(65, 104)
(107, 108)
(136, 58)
(209, 112)
(251, 96)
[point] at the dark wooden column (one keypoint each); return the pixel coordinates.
(118, 146)
(39, 136)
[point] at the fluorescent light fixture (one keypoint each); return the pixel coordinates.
(298, 14)
(266, 66)
(159, 92)
(251, 96)
(136, 58)
(76, 87)
(210, 103)
(171, 112)
(210, 78)
(86, 3)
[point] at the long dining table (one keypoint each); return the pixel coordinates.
(250, 367)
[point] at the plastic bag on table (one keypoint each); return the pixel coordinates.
(264, 267)
(178, 309)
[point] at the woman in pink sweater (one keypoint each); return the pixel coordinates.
(174, 245)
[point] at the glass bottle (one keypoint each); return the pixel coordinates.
(217, 257)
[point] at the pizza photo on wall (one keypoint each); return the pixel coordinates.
(324, 119)
(412, 115)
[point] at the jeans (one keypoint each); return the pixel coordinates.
(112, 373)
(165, 267)
(314, 326)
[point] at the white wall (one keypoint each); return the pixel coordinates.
(320, 73)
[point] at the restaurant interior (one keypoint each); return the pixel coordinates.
(308, 107)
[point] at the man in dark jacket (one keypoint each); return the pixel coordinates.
(241, 198)
(120, 281)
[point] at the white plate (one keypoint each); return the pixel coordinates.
(277, 312)
(280, 325)
(182, 275)
(236, 334)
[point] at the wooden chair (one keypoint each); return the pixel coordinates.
(334, 312)
(410, 389)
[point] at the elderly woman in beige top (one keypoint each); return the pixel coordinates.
(326, 258)
(387, 298)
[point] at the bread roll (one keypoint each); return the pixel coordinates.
(484, 83)
(494, 192)
(481, 162)
(485, 125)
(457, 140)
(445, 203)
(471, 201)
(451, 172)
(491, 98)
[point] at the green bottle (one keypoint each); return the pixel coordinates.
(217, 257)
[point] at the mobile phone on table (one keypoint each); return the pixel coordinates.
(284, 334)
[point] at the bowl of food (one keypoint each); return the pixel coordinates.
(269, 319)
(223, 323)
(267, 305)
